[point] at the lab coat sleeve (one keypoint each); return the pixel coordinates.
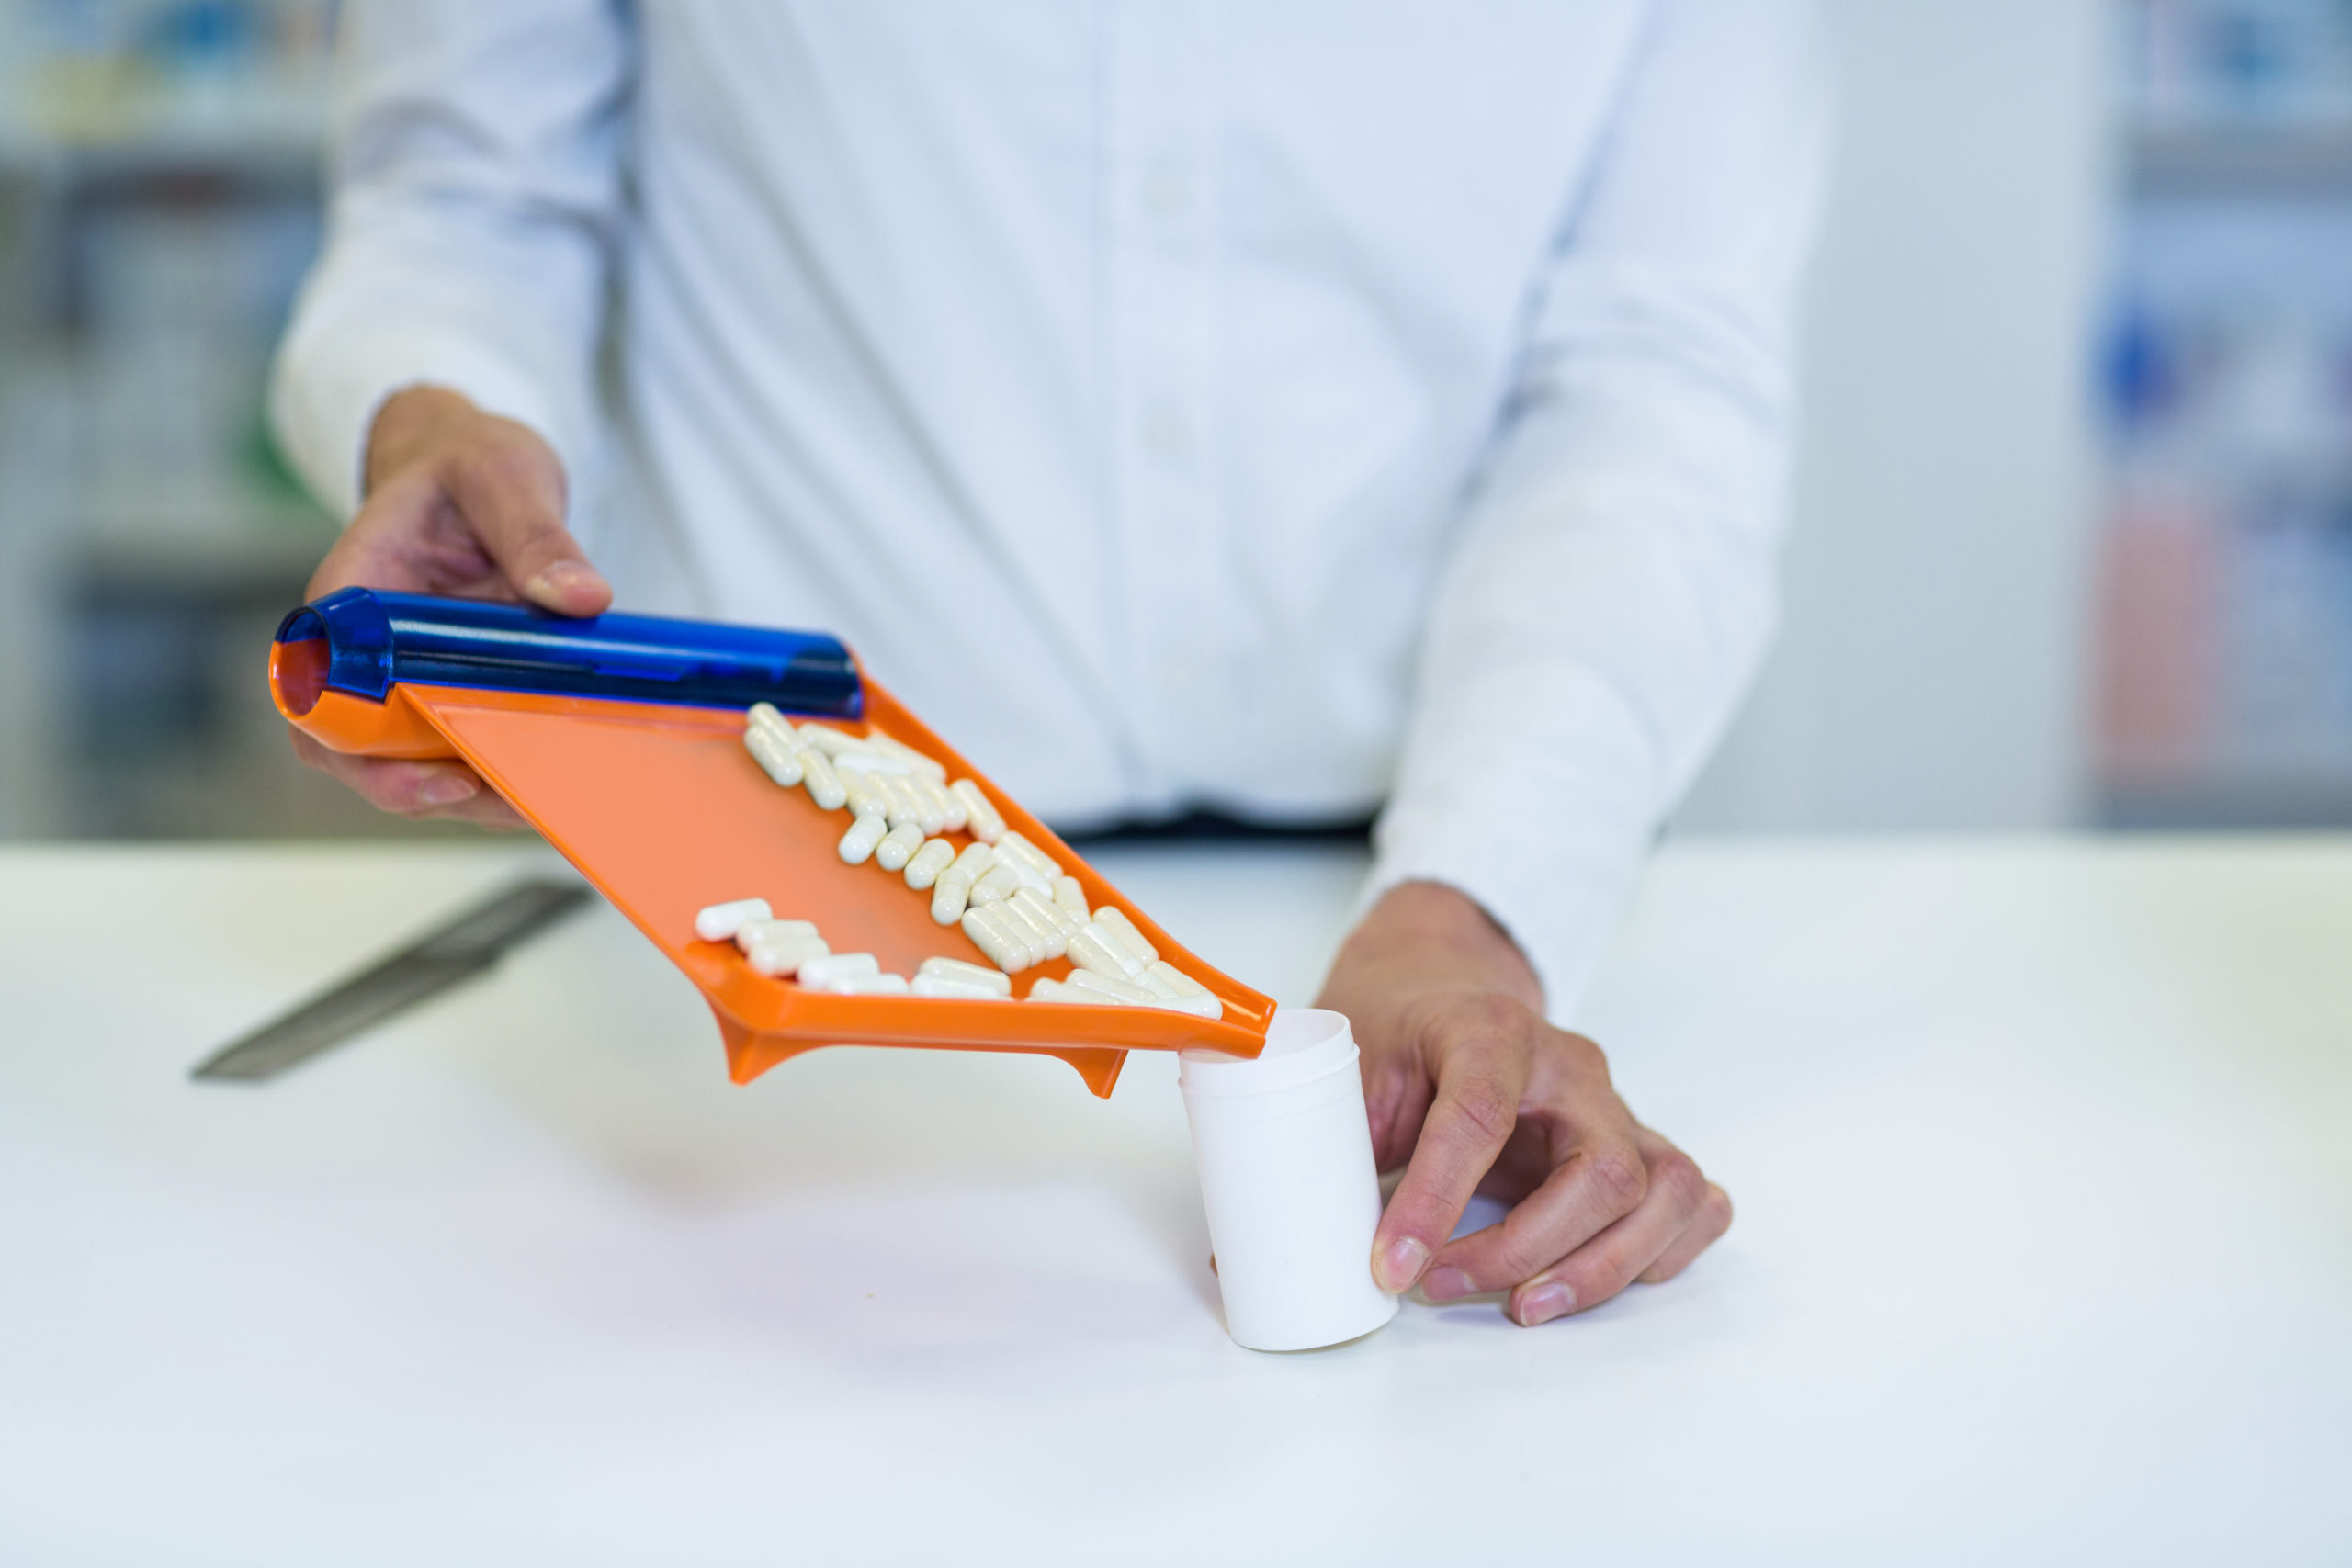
(474, 161)
(1612, 588)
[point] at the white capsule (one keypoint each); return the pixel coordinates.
(863, 761)
(1027, 951)
(898, 847)
(1003, 950)
(981, 819)
(1018, 846)
(823, 785)
(975, 863)
(819, 974)
(1157, 984)
(1203, 1006)
(831, 741)
(1042, 913)
(1184, 993)
(1046, 909)
(928, 801)
(958, 990)
(720, 922)
(1125, 991)
(998, 884)
(1044, 936)
(1115, 920)
(954, 889)
(1179, 984)
(1091, 947)
(871, 789)
(935, 857)
(763, 716)
(950, 807)
(964, 974)
(750, 932)
(929, 766)
(876, 984)
(771, 722)
(863, 793)
(779, 762)
(1029, 875)
(1048, 990)
(1033, 950)
(786, 954)
(865, 833)
(907, 805)
(884, 984)
(1071, 896)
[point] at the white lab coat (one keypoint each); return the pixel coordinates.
(1280, 408)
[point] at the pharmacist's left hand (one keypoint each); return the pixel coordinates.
(1463, 1075)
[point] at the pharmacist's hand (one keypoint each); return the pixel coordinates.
(1462, 1075)
(463, 503)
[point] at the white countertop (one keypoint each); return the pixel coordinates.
(2042, 1153)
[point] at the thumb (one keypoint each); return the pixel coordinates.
(511, 491)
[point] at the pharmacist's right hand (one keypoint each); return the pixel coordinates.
(462, 503)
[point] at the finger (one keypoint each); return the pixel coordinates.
(436, 789)
(1523, 1166)
(1482, 1073)
(1715, 1219)
(407, 537)
(1396, 1098)
(1603, 1179)
(509, 488)
(1611, 1260)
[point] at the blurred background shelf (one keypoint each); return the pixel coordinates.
(2073, 506)
(164, 84)
(159, 202)
(2225, 634)
(2236, 163)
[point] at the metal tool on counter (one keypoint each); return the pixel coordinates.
(462, 946)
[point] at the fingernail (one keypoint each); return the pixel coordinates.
(1400, 1264)
(1542, 1304)
(447, 789)
(566, 575)
(1446, 1283)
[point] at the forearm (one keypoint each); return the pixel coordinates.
(1612, 588)
(1592, 638)
(467, 241)
(1426, 930)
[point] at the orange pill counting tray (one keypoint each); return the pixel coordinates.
(658, 804)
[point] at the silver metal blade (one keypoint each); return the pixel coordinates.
(464, 945)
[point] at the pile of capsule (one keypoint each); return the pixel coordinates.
(1012, 898)
(795, 948)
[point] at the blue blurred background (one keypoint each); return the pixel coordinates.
(2073, 539)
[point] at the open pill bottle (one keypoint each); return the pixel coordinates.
(1286, 1175)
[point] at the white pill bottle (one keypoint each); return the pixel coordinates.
(1286, 1175)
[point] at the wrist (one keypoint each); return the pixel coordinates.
(407, 425)
(1427, 933)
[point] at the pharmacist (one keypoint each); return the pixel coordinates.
(1279, 410)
